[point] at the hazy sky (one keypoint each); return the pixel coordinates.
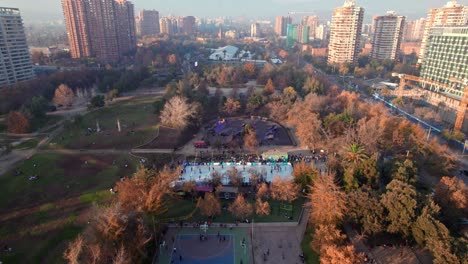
(34, 10)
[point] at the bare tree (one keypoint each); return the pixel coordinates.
(63, 95)
(177, 113)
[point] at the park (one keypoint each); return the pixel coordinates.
(229, 164)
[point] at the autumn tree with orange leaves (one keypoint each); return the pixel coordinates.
(113, 235)
(262, 207)
(327, 201)
(284, 190)
(346, 254)
(209, 205)
(269, 88)
(17, 123)
(304, 174)
(250, 141)
(231, 106)
(240, 208)
(63, 95)
(263, 191)
(451, 194)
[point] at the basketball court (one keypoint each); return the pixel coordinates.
(207, 246)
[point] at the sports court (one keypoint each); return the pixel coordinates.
(217, 245)
(203, 173)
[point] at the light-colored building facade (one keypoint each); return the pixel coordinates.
(148, 23)
(414, 30)
(255, 30)
(281, 25)
(312, 22)
(15, 61)
(446, 55)
(321, 32)
(345, 34)
(166, 26)
(386, 39)
(452, 14)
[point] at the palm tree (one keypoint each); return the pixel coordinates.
(354, 154)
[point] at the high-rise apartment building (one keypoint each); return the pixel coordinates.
(188, 25)
(281, 25)
(148, 23)
(345, 33)
(446, 56)
(386, 40)
(15, 61)
(367, 29)
(255, 30)
(312, 22)
(321, 32)
(166, 26)
(125, 21)
(452, 14)
(104, 29)
(414, 30)
(297, 33)
(76, 13)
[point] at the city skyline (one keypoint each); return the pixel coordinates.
(51, 9)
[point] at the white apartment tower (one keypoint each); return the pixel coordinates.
(386, 40)
(255, 30)
(345, 33)
(452, 14)
(15, 61)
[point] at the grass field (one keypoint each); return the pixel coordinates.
(27, 144)
(137, 121)
(184, 207)
(311, 257)
(38, 217)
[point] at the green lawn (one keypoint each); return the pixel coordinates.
(28, 144)
(38, 217)
(311, 256)
(38, 124)
(184, 207)
(59, 177)
(137, 121)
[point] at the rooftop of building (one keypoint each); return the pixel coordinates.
(9, 11)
